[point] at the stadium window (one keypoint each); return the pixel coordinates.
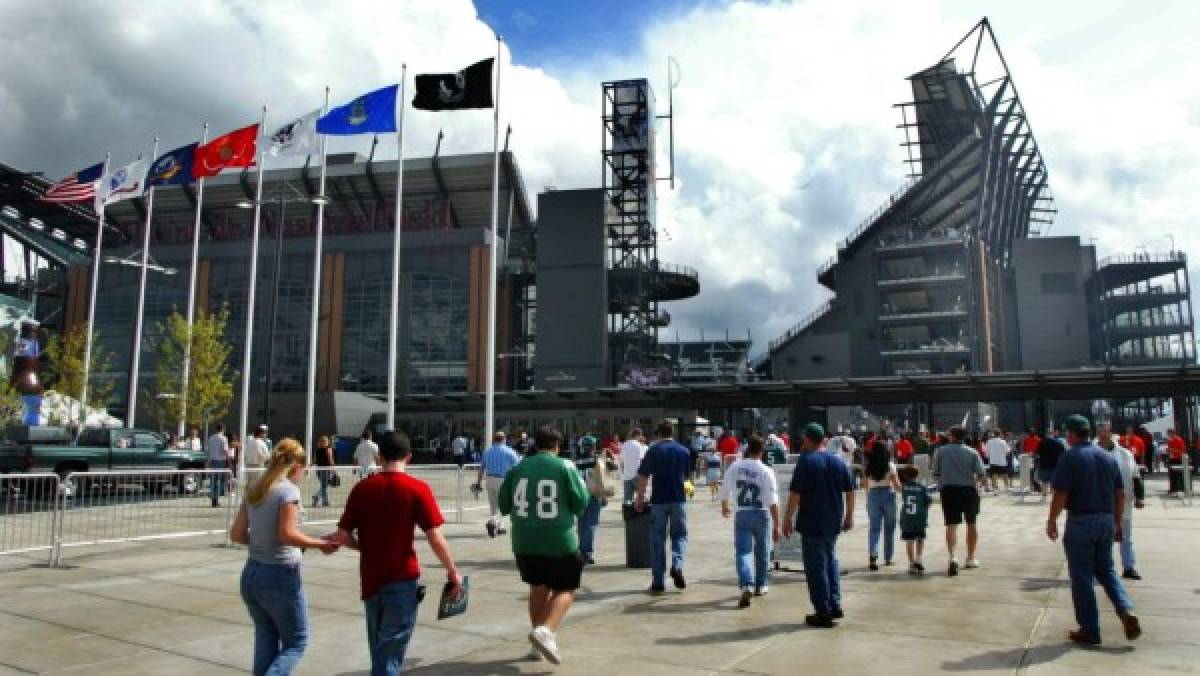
(1058, 282)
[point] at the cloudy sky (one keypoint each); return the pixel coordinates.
(785, 129)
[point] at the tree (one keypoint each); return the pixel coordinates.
(65, 375)
(210, 380)
(12, 408)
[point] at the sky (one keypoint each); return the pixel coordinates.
(785, 130)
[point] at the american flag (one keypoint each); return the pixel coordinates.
(77, 187)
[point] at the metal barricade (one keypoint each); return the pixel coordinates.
(107, 507)
(29, 514)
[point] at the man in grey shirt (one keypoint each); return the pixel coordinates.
(957, 468)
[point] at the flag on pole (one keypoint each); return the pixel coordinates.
(470, 87)
(235, 149)
(121, 183)
(372, 112)
(298, 137)
(173, 168)
(78, 187)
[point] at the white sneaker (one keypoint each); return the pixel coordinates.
(761, 591)
(544, 641)
(971, 563)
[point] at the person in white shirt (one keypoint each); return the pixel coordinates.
(365, 454)
(632, 452)
(1135, 495)
(756, 498)
(257, 452)
(195, 442)
(459, 448)
(998, 452)
(219, 455)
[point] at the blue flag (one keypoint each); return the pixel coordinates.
(172, 168)
(370, 113)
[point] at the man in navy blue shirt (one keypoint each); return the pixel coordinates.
(1087, 482)
(822, 502)
(665, 468)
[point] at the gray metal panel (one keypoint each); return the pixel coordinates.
(572, 291)
(1054, 328)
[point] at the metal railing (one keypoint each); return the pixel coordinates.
(29, 514)
(800, 326)
(43, 513)
(1145, 257)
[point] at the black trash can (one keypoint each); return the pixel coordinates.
(637, 536)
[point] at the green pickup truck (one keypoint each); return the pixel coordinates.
(52, 449)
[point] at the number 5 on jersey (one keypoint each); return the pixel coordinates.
(547, 499)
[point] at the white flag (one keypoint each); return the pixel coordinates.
(298, 137)
(121, 183)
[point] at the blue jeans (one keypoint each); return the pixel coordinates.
(1128, 560)
(322, 495)
(881, 512)
(216, 480)
(391, 618)
(752, 544)
(274, 597)
(588, 521)
(1088, 541)
(674, 516)
(821, 571)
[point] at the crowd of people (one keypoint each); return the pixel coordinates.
(551, 504)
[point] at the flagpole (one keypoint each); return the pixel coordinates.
(311, 394)
(191, 306)
(489, 406)
(248, 344)
(394, 319)
(91, 316)
(130, 416)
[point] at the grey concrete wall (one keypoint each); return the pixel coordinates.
(572, 291)
(1052, 323)
(819, 352)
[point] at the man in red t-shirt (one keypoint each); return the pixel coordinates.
(904, 450)
(1030, 443)
(380, 519)
(727, 446)
(1176, 447)
(1134, 443)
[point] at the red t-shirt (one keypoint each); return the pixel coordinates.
(1135, 445)
(904, 449)
(1177, 446)
(383, 511)
(1030, 444)
(728, 445)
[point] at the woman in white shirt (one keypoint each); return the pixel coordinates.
(882, 483)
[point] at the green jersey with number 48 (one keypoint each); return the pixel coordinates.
(543, 495)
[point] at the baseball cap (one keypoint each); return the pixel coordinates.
(814, 431)
(1079, 424)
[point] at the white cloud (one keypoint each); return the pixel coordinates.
(773, 97)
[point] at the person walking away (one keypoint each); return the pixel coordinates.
(1176, 449)
(219, 455)
(1154, 459)
(498, 460)
(324, 461)
(881, 486)
(1135, 495)
(666, 468)
(914, 517)
(998, 451)
(235, 452)
(381, 516)
(957, 468)
(594, 466)
(921, 444)
(1087, 483)
(366, 455)
(632, 452)
(543, 494)
(904, 450)
(1050, 448)
(727, 445)
(271, 586)
(459, 449)
(756, 524)
(821, 500)
(712, 466)
(776, 451)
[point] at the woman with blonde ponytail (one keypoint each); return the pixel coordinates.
(269, 522)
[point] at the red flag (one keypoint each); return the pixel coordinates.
(235, 149)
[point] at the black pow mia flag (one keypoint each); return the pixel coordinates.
(470, 87)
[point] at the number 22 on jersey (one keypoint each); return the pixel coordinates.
(546, 496)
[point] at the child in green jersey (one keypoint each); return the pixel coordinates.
(914, 517)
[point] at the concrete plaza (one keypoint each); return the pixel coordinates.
(172, 607)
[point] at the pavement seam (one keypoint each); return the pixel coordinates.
(1022, 664)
